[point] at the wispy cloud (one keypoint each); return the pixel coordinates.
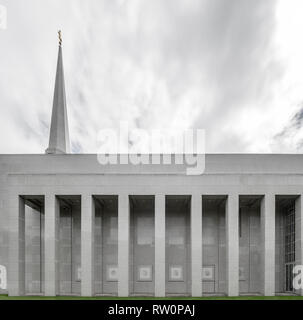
(291, 136)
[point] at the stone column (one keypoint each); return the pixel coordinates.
(160, 245)
(232, 244)
(87, 244)
(52, 214)
(299, 237)
(196, 245)
(268, 244)
(123, 245)
(16, 270)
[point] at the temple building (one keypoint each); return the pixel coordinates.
(71, 226)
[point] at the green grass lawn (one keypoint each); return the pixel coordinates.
(6, 297)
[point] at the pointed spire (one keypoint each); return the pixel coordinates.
(59, 134)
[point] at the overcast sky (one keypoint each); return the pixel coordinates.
(231, 67)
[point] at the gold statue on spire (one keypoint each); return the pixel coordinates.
(60, 37)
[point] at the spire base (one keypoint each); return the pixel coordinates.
(54, 151)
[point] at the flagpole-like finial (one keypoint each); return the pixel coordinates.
(60, 37)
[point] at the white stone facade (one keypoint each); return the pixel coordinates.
(69, 225)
